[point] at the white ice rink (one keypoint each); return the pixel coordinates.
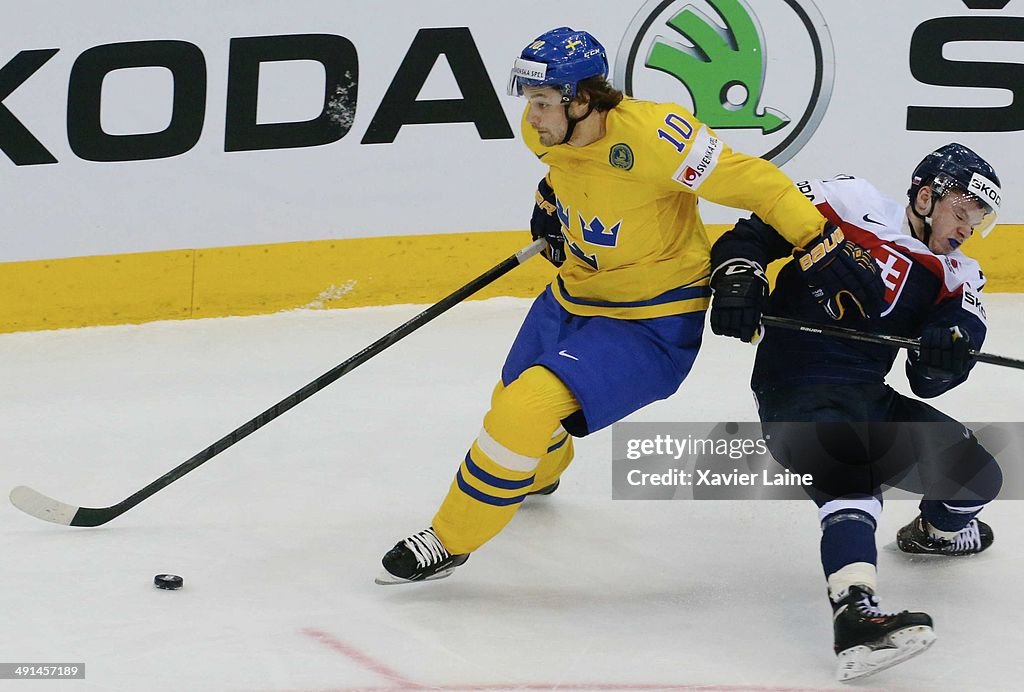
(279, 538)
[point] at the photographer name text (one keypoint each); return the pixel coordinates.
(636, 477)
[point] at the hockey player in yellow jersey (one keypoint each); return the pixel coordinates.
(621, 324)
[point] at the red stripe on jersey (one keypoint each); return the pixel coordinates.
(871, 241)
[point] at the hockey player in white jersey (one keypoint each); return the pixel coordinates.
(818, 395)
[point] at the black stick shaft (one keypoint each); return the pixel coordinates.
(87, 516)
(884, 339)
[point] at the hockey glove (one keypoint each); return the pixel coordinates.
(842, 275)
(740, 295)
(546, 224)
(946, 351)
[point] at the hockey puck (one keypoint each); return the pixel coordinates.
(170, 582)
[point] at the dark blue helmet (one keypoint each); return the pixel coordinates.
(560, 58)
(954, 167)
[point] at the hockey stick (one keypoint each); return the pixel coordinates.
(42, 507)
(884, 339)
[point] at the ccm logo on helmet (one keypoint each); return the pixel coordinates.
(985, 189)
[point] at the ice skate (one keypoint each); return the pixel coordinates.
(547, 489)
(420, 557)
(916, 538)
(868, 640)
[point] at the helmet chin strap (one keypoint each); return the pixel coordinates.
(926, 220)
(572, 121)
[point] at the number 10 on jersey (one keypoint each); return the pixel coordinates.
(679, 126)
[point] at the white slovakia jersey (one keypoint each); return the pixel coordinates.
(879, 224)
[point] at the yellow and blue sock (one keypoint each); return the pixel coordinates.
(504, 462)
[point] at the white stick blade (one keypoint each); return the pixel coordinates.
(42, 507)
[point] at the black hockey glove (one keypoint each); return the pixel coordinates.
(842, 275)
(945, 351)
(740, 295)
(545, 224)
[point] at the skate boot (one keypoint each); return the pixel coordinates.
(420, 557)
(868, 640)
(547, 489)
(916, 538)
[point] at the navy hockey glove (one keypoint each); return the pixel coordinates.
(740, 294)
(842, 275)
(946, 350)
(545, 224)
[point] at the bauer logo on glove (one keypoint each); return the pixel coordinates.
(822, 250)
(842, 275)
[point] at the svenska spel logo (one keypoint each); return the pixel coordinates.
(761, 78)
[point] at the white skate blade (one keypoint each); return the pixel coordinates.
(861, 661)
(386, 578)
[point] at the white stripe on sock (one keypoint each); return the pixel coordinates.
(963, 510)
(503, 456)
(840, 581)
(870, 505)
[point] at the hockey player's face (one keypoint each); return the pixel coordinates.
(546, 114)
(954, 219)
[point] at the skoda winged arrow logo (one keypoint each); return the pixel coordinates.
(720, 60)
(713, 56)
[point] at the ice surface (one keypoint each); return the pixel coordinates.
(279, 538)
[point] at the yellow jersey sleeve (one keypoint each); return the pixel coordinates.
(636, 246)
(698, 161)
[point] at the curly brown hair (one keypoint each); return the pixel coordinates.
(601, 94)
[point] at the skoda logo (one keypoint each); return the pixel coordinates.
(763, 81)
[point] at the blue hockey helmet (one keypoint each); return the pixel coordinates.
(560, 58)
(955, 168)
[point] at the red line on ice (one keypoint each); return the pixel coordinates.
(362, 659)
(594, 687)
(400, 682)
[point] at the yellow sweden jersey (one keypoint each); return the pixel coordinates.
(636, 245)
